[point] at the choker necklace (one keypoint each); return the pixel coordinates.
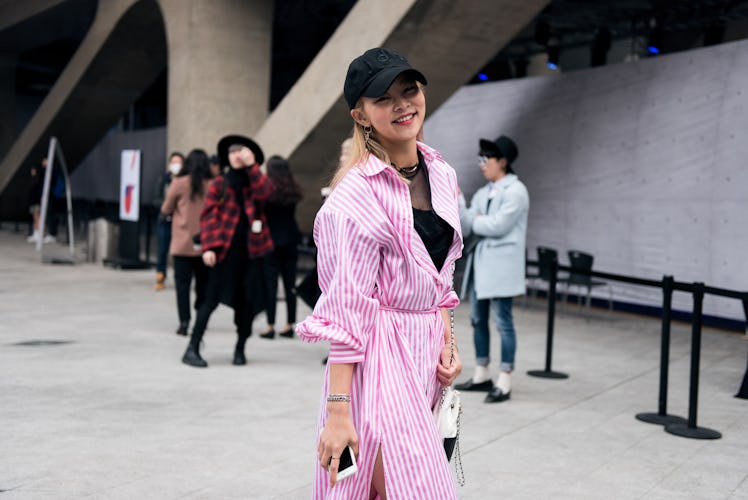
(407, 172)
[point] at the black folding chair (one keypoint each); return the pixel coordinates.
(581, 264)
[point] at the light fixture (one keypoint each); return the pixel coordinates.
(554, 53)
(654, 44)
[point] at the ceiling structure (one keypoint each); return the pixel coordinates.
(675, 25)
(571, 24)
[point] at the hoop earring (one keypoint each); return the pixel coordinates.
(367, 133)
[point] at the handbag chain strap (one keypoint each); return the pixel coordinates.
(458, 455)
(451, 348)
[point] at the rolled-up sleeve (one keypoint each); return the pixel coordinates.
(348, 260)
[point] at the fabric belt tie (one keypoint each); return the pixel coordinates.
(448, 302)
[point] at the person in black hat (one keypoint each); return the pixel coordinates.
(234, 238)
(387, 238)
(280, 210)
(496, 224)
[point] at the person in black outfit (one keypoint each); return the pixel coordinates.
(280, 211)
(234, 240)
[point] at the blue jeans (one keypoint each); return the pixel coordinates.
(502, 308)
(163, 240)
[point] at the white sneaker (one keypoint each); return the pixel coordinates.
(33, 238)
(49, 239)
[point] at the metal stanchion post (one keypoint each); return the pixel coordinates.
(148, 230)
(547, 372)
(690, 429)
(743, 391)
(661, 417)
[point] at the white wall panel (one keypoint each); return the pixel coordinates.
(644, 165)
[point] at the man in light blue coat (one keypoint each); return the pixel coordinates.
(494, 226)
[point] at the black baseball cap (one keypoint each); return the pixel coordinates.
(503, 147)
(372, 73)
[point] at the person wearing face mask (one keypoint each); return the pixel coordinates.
(184, 202)
(163, 223)
(496, 224)
(234, 239)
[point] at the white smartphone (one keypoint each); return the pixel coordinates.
(347, 466)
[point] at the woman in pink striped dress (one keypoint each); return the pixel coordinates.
(387, 240)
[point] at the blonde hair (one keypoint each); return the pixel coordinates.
(359, 149)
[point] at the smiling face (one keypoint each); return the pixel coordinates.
(397, 115)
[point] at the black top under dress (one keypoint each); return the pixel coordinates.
(435, 232)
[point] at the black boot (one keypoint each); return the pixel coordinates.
(239, 358)
(192, 354)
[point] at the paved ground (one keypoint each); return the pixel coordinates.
(112, 413)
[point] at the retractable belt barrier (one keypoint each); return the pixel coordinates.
(675, 425)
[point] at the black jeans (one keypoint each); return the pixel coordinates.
(163, 240)
(55, 208)
(282, 261)
(184, 269)
(236, 282)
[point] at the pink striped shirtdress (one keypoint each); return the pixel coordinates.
(381, 295)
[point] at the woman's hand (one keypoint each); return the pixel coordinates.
(336, 435)
(248, 157)
(446, 372)
(209, 258)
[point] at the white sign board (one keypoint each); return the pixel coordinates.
(129, 190)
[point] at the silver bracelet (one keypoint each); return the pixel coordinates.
(338, 398)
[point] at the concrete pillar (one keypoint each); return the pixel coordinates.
(219, 69)
(7, 102)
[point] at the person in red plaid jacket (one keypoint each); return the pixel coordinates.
(234, 238)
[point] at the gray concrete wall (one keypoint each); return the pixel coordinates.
(219, 69)
(641, 164)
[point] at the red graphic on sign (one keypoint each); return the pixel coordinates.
(128, 197)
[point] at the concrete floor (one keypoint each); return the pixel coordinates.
(111, 412)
